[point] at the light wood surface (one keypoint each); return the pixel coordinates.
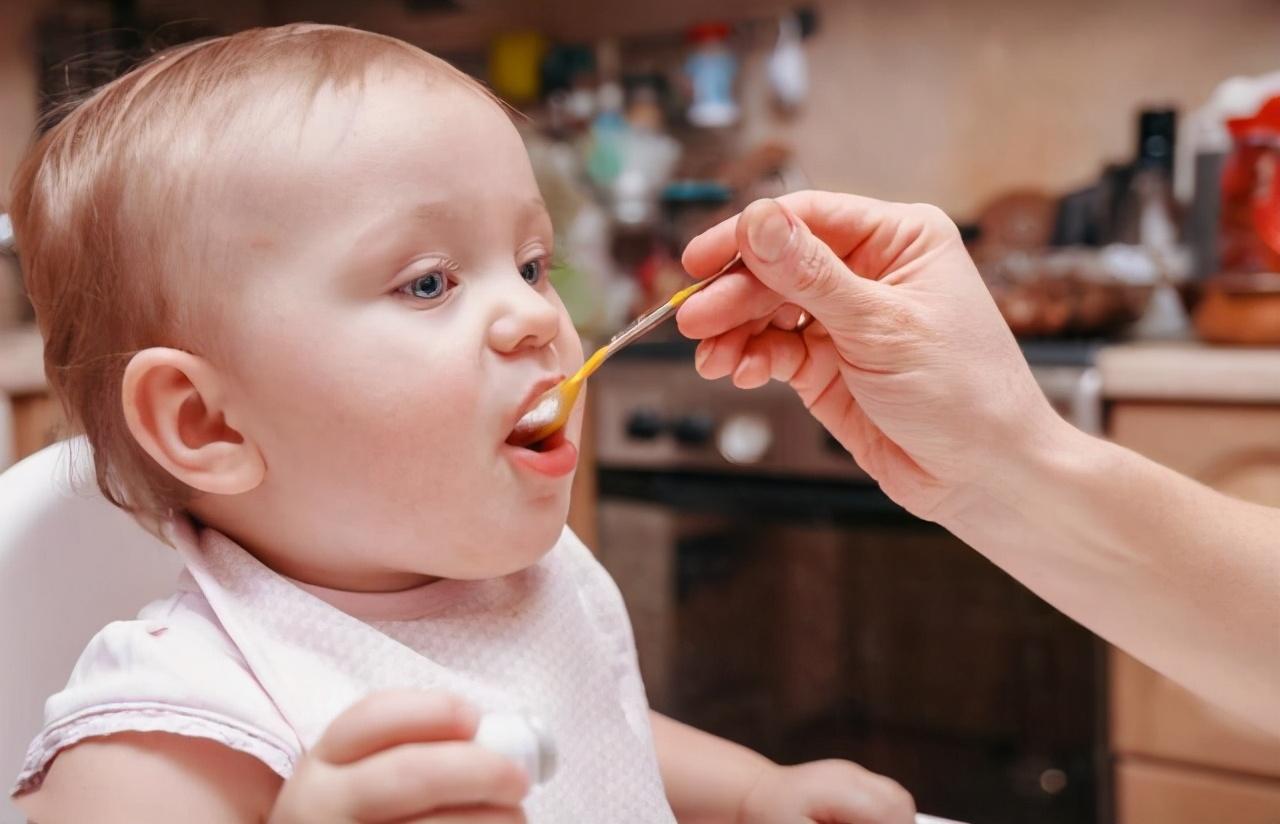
(1168, 794)
(21, 361)
(1153, 717)
(37, 422)
(1190, 372)
(1233, 448)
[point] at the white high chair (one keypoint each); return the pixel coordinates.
(70, 563)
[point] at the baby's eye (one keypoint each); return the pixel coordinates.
(431, 286)
(532, 271)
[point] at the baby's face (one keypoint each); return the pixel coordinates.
(393, 320)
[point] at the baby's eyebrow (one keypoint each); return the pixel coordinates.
(535, 208)
(536, 204)
(435, 210)
(373, 243)
(372, 236)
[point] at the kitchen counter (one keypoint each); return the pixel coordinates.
(1189, 372)
(21, 361)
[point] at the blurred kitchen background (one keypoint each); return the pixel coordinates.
(1112, 166)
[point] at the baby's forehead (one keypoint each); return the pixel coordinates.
(290, 125)
(285, 156)
(341, 129)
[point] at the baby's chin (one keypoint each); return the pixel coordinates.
(496, 555)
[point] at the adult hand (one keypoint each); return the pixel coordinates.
(910, 366)
(907, 362)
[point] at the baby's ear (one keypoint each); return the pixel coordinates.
(175, 406)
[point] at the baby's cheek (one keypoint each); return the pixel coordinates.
(438, 407)
(372, 421)
(416, 444)
(571, 352)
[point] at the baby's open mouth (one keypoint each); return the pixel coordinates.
(550, 442)
(555, 456)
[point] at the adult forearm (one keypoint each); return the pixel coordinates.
(1180, 576)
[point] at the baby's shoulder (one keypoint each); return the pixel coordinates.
(180, 632)
(172, 669)
(175, 656)
(174, 651)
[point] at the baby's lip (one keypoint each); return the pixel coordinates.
(531, 398)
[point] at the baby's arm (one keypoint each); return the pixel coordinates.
(706, 777)
(394, 756)
(713, 781)
(152, 776)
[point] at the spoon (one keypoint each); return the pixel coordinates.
(552, 409)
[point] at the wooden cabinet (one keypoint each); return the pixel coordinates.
(1178, 758)
(29, 417)
(37, 422)
(582, 507)
(1172, 794)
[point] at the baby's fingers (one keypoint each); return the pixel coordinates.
(387, 719)
(846, 793)
(414, 780)
(475, 815)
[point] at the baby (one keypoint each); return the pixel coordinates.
(293, 286)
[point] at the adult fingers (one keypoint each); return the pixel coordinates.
(787, 316)
(732, 300)
(717, 357)
(786, 256)
(772, 354)
(842, 221)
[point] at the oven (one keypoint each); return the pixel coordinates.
(781, 600)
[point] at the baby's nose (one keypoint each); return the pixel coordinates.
(528, 321)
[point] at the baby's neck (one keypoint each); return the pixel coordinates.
(345, 581)
(349, 577)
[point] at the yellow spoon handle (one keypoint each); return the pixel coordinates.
(644, 324)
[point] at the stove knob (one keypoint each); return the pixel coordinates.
(694, 430)
(644, 425)
(745, 439)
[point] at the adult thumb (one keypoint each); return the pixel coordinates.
(786, 256)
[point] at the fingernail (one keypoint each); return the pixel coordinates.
(770, 232)
(703, 352)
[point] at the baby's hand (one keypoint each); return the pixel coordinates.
(400, 756)
(826, 792)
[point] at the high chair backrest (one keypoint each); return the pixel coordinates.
(70, 563)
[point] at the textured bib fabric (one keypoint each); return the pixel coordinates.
(263, 664)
